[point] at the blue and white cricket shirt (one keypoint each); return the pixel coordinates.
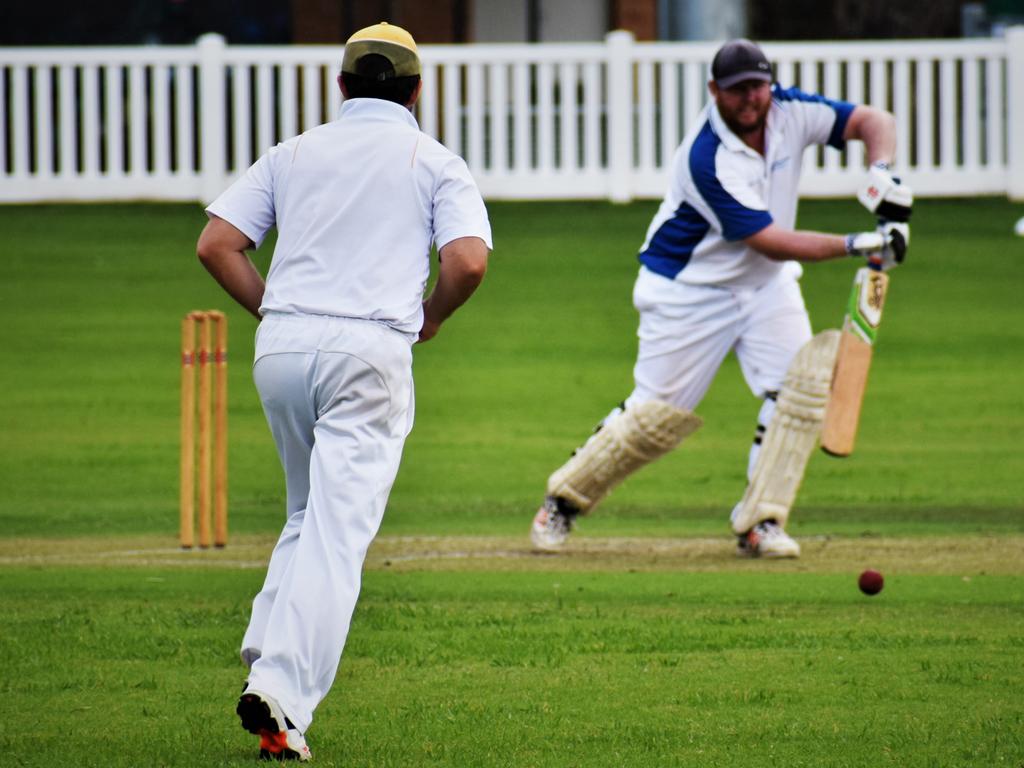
(722, 191)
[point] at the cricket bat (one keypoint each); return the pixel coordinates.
(853, 361)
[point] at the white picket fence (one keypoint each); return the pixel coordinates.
(593, 120)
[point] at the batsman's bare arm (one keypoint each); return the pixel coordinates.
(463, 264)
(222, 250)
(781, 244)
(876, 128)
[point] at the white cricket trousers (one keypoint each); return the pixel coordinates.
(687, 330)
(338, 397)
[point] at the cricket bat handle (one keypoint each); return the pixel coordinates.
(853, 361)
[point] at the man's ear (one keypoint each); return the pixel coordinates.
(415, 95)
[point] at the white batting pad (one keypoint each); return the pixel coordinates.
(791, 436)
(626, 442)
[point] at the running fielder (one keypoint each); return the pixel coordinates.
(719, 272)
(357, 204)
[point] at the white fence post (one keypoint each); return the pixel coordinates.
(619, 116)
(212, 116)
(1015, 112)
(977, 147)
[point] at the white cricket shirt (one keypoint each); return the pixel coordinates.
(722, 191)
(357, 203)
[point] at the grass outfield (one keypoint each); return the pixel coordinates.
(646, 644)
(92, 295)
(631, 661)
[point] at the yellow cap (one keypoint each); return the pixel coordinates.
(387, 40)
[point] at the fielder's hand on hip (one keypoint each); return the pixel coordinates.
(462, 268)
(885, 196)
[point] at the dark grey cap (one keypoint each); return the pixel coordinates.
(740, 60)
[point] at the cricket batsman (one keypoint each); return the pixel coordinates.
(719, 272)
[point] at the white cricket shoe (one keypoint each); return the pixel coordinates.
(279, 738)
(767, 539)
(552, 525)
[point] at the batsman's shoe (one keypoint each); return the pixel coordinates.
(279, 738)
(552, 524)
(767, 539)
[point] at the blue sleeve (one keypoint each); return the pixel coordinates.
(841, 109)
(738, 221)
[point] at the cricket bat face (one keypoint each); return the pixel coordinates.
(853, 361)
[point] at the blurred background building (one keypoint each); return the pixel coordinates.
(132, 22)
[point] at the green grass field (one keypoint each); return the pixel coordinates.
(646, 644)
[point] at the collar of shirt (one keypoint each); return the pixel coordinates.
(376, 109)
(734, 143)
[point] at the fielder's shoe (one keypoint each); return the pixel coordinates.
(767, 539)
(552, 524)
(279, 738)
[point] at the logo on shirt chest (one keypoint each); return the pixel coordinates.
(778, 165)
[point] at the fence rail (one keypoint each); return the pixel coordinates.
(582, 120)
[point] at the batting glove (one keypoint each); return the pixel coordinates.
(865, 244)
(897, 240)
(884, 248)
(885, 196)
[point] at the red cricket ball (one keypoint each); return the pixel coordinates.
(870, 582)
